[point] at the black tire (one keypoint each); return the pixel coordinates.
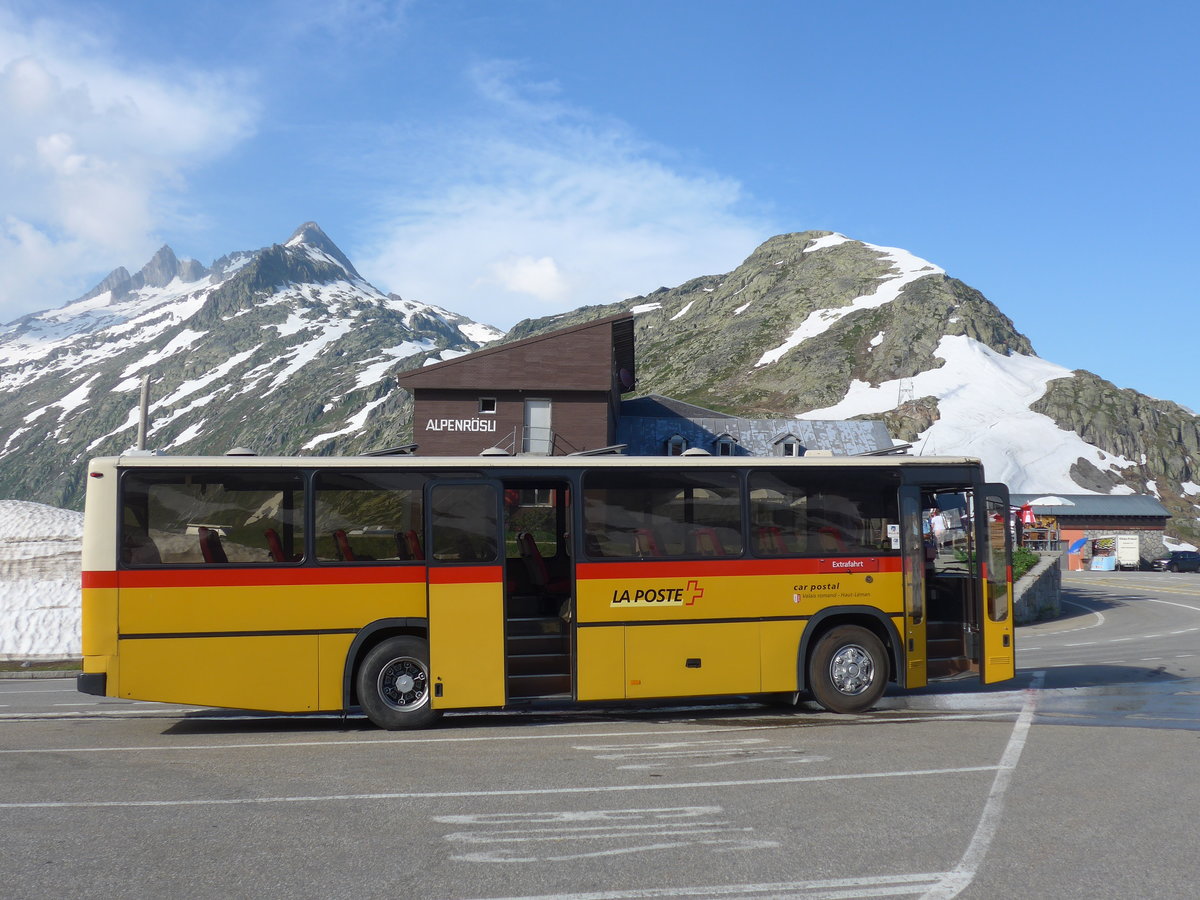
(848, 669)
(394, 687)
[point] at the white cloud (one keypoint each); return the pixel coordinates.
(538, 207)
(536, 277)
(93, 152)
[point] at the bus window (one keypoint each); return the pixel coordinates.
(541, 512)
(201, 518)
(948, 538)
(369, 516)
(464, 523)
(797, 513)
(662, 513)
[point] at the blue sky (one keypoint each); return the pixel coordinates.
(508, 159)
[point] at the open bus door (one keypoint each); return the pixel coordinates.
(465, 565)
(913, 546)
(994, 561)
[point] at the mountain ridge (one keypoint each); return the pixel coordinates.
(287, 349)
(817, 325)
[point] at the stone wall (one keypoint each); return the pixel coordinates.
(1037, 595)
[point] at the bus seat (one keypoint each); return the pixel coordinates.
(414, 545)
(645, 543)
(276, 547)
(535, 563)
(139, 548)
(592, 544)
(769, 540)
(210, 546)
(343, 546)
(402, 549)
(706, 541)
(831, 539)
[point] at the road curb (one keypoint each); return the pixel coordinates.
(16, 676)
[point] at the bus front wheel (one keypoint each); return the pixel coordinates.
(393, 684)
(848, 670)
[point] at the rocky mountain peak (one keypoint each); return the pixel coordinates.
(116, 281)
(310, 235)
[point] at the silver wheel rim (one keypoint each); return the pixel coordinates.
(851, 670)
(403, 684)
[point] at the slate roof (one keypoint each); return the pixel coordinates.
(648, 423)
(657, 406)
(1097, 505)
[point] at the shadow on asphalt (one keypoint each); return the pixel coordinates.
(225, 721)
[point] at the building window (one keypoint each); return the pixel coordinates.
(726, 445)
(789, 446)
(676, 445)
(487, 404)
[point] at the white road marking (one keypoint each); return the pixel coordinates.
(964, 873)
(1099, 616)
(107, 713)
(1173, 603)
(357, 742)
(666, 827)
(825, 889)
(683, 754)
(513, 792)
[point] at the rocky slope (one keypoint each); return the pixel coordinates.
(284, 349)
(816, 325)
(288, 350)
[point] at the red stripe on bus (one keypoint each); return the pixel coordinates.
(183, 578)
(692, 568)
(467, 575)
(99, 579)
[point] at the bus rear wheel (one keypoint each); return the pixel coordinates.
(848, 670)
(393, 684)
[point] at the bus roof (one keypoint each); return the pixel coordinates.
(527, 462)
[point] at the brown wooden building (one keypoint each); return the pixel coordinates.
(550, 394)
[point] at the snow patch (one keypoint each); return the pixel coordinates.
(645, 308)
(354, 424)
(830, 240)
(40, 562)
(907, 268)
(685, 309)
(984, 401)
(388, 358)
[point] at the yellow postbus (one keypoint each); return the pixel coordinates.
(407, 586)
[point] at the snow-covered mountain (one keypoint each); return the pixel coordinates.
(286, 349)
(819, 326)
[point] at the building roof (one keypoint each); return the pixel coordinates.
(656, 406)
(1092, 505)
(588, 356)
(648, 435)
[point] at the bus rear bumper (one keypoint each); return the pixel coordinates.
(92, 683)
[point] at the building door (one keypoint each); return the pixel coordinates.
(539, 438)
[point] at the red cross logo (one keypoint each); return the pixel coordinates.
(696, 593)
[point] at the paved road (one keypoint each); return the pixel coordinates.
(1081, 782)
